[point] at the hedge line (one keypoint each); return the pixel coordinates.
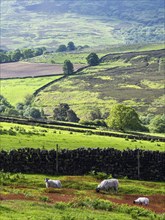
(149, 166)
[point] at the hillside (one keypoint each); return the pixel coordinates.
(93, 22)
(134, 78)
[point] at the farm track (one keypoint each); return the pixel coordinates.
(157, 202)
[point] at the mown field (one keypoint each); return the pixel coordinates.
(23, 196)
(135, 79)
(14, 136)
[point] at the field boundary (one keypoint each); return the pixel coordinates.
(134, 164)
(80, 128)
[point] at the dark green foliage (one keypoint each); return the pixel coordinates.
(68, 67)
(92, 59)
(158, 124)
(71, 46)
(71, 116)
(20, 106)
(4, 104)
(96, 122)
(61, 48)
(64, 113)
(16, 55)
(28, 99)
(35, 113)
(32, 113)
(123, 117)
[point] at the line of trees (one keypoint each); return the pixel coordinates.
(120, 118)
(70, 47)
(21, 109)
(16, 55)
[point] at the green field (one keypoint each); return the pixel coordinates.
(135, 79)
(46, 138)
(77, 199)
(15, 90)
(59, 58)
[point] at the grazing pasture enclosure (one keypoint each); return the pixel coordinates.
(15, 90)
(15, 136)
(23, 69)
(23, 196)
(133, 78)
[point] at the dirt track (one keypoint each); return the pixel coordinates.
(157, 202)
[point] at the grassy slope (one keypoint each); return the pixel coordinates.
(48, 138)
(15, 90)
(81, 188)
(77, 21)
(127, 79)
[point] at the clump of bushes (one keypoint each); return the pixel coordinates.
(100, 175)
(8, 178)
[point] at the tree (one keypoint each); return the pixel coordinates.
(71, 46)
(28, 99)
(158, 124)
(123, 117)
(63, 113)
(92, 59)
(71, 116)
(16, 55)
(68, 67)
(32, 113)
(61, 48)
(27, 53)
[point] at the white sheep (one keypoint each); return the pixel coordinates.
(106, 185)
(53, 183)
(141, 201)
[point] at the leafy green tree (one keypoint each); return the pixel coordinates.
(157, 124)
(35, 113)
(32, 113)
(71, 116)
(92, 59)
(63, 113)
(19, 106)
(28, 99)
(27, 53)
(123, 117)
(4, 58)
(68, 67)
(61, 48)
(15, 55)
(71, 46)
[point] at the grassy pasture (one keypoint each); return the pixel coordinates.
(46, 138)
(15, 90)
(59, 58)
(124, 77)
(24, 196)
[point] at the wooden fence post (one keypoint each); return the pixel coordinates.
(57, 158)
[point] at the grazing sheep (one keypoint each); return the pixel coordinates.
(108, 184)
(53, 183)
(141, 201)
